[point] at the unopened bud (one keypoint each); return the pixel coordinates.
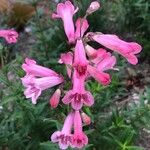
(54, 100)
(94, 6)
(85, 118)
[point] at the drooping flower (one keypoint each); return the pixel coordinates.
(37, 79)
(85, 118)
(126, 49)
(94, 6)
(64, 137)
(55, 98)
(9, 35)
(78, 95)
(79, 139)
(99, 76)
(65, 11)
(81, 26)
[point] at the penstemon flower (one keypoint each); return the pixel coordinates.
(81, 63)
(37, 79)
(78, 95)
(126, 49)
(79, 139)
(64, 137)
(65, 12)
(9, 35)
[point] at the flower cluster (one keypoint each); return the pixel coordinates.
(9, 35)
(82, 63)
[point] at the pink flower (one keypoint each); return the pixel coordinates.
(37, 79)
(78, 95)
(96, 55)
(107, 63)
(81, 26)
(85, 118)
(30, 67)
(79, 139)
(82, 66)
(98, 75)
(9, 35)
(80, 60)
(64, 137)
(54, 100)
(34, 86)
(94, 6)
(65, 12)
(67, 59)
(126, 49)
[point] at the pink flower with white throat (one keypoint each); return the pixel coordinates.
(36, 80)
(79, 139)
(126, 49)
(64, 137)
(9, 35)
(65, 11)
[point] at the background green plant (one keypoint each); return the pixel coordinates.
(115, 125)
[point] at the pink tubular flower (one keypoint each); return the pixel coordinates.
(54, 100)
(78, 95)
(85, 118)
(94, 6)
(37, 79)
(9, 35)
(126, 49)
(80, 60)
(30, 67)
(34, 86)
(64, 137)
(98, 75)
(79, 139)
(65, 12)
(67, 59)
(81, 26)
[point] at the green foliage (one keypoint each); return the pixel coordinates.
(24, 126)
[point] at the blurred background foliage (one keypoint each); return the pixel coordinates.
(121, 114)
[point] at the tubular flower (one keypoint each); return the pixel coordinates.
(80, 60)
(78, 95)
(9, 35)
(65, 12)
(31, 68)
(126, 49)
(64, 137)
(36, 80)
(79, 139)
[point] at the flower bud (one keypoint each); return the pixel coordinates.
(94, 6)
(85, 118)
(54, 100)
